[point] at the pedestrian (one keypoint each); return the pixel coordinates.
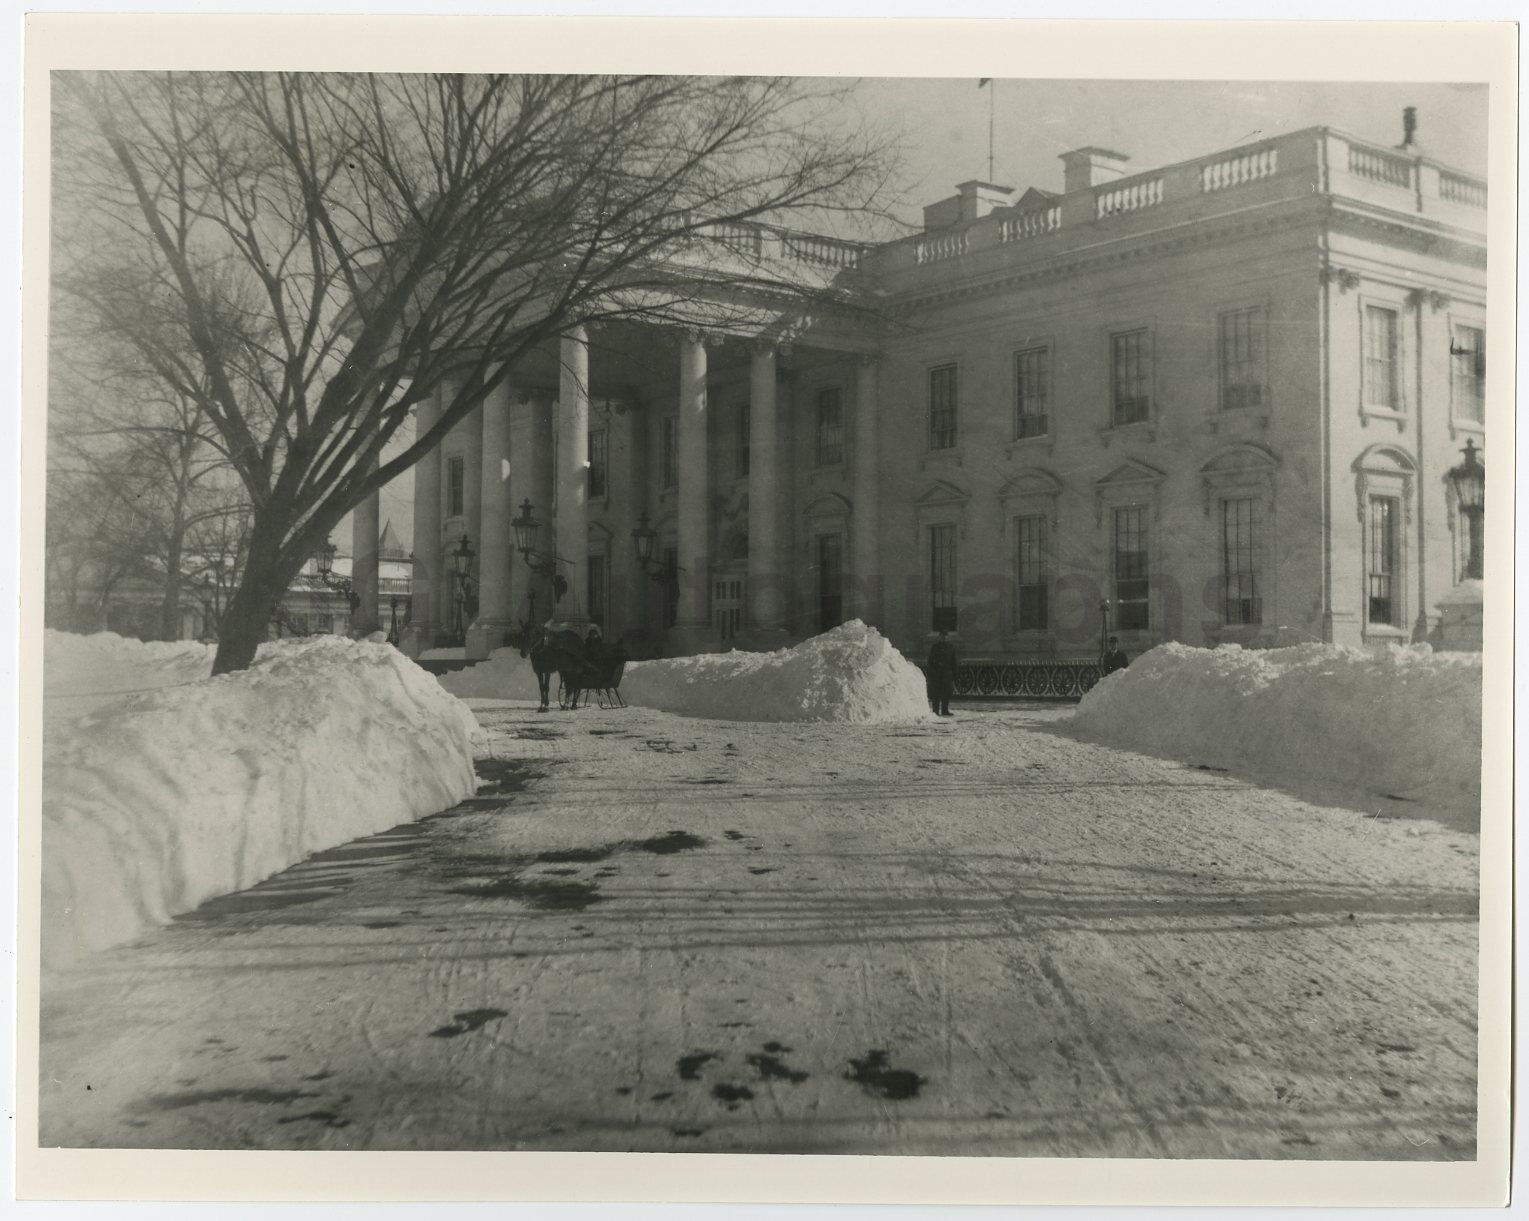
(941, 670)
(1115, 658)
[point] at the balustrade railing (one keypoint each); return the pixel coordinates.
(1030, 224)
(1129, 197)
(814, 248)
(940, 246)
(1378, 166)
(1239, 168)
(1462, 190)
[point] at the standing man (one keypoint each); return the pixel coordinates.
(942, 674)
(1115, 658)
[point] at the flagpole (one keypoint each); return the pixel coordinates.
(991, 90)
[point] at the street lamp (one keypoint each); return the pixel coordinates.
(324, 555)
(542, 563)
(643, 538)
(1104, 626)
(1469, 480)
(461, 568)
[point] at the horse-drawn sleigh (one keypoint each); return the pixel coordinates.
(582, 666)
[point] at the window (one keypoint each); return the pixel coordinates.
(1131, 613)
(1130, 377)
(1033, 590)
(597, 463)
(830, 428)
(1383, 562)
(830, 581)
(1468, 372)
(597, 590)
(1381, 333)
(456, 483)
(942, 407)
(1241, 604)
(670, 468)
(1241, 359)
(942, 576)
(727, 607)
(744, 423)
(1032, 380)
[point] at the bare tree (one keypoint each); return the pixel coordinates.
(327, 251)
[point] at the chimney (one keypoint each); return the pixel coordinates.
(1090, 167)
(975, 200)
(1409, 127)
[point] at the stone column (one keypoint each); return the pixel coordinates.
(427, 575)
(530, 479)
(496, 540)
(766, 580)
(572, 477)
(864, 457)
(692, 632)
(365, 524)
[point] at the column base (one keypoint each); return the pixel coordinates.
(417, 640)
(486, 635)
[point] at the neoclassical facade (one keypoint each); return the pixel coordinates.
(1216, 401)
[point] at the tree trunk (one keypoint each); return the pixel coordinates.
(170, 606)
(246, 622)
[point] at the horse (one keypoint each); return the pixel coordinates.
(560, 653)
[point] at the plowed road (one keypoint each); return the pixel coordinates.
(652, 933)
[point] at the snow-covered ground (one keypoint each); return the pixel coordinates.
(1403, 724)
(979, 936)
(851, 673)
(163, 787)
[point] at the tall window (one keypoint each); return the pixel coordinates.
(727, 607)
(1241, 359)
(597, 591)
(456, 484)
(1032, 379)
(1240, 600)
(670, 466)
(1381, 334)
(596, 463)
(830, 580)
(942, 407)
(744, 423)
(1383, 561)
(1033, 591)
(830, 432)
(942, 575)
(1131, 587)
(1468, 372)
(1130, 377)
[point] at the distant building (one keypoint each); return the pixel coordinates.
(1215, 401)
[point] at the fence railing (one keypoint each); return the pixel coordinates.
(981, 678)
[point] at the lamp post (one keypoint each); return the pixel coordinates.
(461, 568)
(1469, 482)
(324, 555)
(1104, 627)
(643, 538)
(542, 563)
(393, 620)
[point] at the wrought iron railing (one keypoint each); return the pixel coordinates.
(981, 678)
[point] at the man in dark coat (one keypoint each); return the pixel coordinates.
(1115, 658)
(941, 670)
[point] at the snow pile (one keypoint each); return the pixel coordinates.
(1405, 722)
(505, 675)
(851, 673)
(164, 799)
(83, 673)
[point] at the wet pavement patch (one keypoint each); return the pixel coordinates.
(708, 780)
(383, 924)
(730, 1094)
(663, 1095)
(674, 841)
(756, 869)
(194, 1098)
(772, 1068)
(536, 893)
(319, 1076)
(468, 1020)
(875, 1076)
(689, 1067)
(733, 835)
(687, 1131)
(502, 777)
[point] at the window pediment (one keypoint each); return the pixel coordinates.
(1246, 466)
(829, 504)
(1130, 481)
(1384, 470)
(942, 500)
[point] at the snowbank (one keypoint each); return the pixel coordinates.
(505, 675)
(1405, 722)
(851, 673)
(167, 798)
